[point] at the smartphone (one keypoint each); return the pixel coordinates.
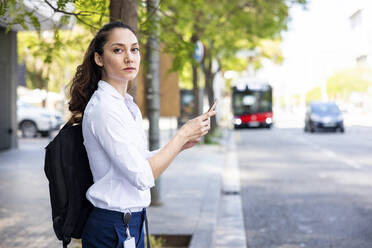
(214, 105)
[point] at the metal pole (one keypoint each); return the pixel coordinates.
(153, 87)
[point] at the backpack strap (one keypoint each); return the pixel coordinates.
(67, 125)
(65, 241)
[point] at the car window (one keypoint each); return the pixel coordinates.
(24, 104)
(325, 108)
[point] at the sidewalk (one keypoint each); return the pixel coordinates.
(201, 197)
(25, 213)
(190, 191)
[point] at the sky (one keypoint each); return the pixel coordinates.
(317, 44)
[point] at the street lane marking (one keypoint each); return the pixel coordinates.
(342, 158)
(327, 152)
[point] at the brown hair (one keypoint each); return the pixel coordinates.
(85, 80)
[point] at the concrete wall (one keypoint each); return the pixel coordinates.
(8, 89)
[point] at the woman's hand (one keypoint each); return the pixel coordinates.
(188, 135)
(193, 129)
(190, 144)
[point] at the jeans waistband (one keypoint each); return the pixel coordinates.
(116, 216)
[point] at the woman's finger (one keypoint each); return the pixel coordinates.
(205, 116)
(208, 115)
(211, 113)
(205, 123)
(205, 129)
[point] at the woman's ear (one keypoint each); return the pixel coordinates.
(98, 59)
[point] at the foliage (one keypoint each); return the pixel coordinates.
(267, 49)
(344, 82)
(185, 77)
(154, 242)
(223, 26)
(16, 12)
(52, 56)
(51, 61)
(314, 94)
(214, 138)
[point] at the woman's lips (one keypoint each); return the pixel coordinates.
(129, 69)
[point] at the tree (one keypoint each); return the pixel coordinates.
(341, 84)
(125, 11)
(51, 56)
(152, 68)
(43, 55)
(224, 27)
(315, 94)
(50, 61)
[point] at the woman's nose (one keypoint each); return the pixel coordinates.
(128, 57)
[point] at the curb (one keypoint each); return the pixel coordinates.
(230, 227)
(205, 232)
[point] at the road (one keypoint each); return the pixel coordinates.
(306, 190)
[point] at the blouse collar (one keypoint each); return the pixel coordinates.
(105, 86)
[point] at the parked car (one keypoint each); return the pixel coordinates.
(323, 116)
(33, 120)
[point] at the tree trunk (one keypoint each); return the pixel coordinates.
(195, 90)
(195, 86)
(209, 78)
(153, 88)
(124, 11)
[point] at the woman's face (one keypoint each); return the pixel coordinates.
(121, 57)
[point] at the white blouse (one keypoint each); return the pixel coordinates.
(117, 150)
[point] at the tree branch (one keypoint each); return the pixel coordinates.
(76, 15)
(152, 13)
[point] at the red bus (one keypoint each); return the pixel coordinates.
(252, 105)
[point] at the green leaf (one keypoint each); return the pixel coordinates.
(8, 28)
(34, 21)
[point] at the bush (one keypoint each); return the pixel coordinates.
(155, 242)
(214, 137)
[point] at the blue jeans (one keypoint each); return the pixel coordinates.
(105, 229)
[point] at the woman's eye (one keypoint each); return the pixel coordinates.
(135, 49)
(117, 50)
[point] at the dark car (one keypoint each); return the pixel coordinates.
(324, 116)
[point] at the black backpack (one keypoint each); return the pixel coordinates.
(68, 172)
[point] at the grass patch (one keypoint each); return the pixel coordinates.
(155, 242)
(214, 138)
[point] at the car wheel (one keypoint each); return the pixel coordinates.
(45, 133)
(28, 129)
(312, 129)
(342, 130)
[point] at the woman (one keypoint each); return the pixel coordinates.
(123, 169)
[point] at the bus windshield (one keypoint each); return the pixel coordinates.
(251, 102)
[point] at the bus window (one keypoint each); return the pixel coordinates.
(252, 106)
